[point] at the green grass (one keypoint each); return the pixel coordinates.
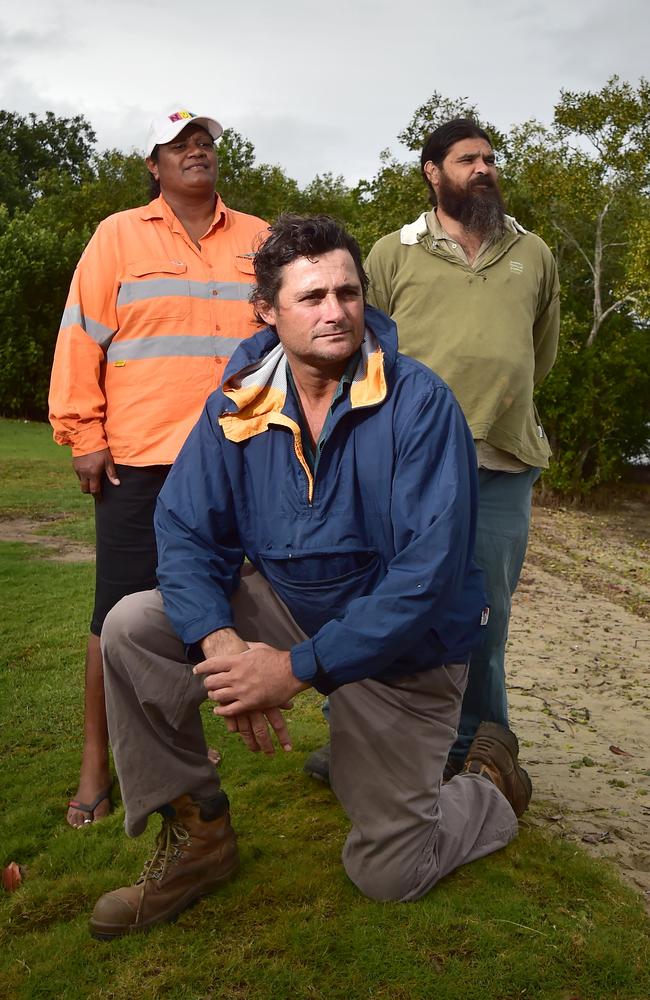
(37, 481)
(538, 921)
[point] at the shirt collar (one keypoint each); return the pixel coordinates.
(159, 209)
(429, 224)
(435, 227)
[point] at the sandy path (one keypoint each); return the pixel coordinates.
(578, 669)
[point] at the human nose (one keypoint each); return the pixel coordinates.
(196, 149)
(333, 311)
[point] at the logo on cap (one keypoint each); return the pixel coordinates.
(179, 115)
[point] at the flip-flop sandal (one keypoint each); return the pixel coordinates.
(89, 807)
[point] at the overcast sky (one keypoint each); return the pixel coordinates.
(315, 86)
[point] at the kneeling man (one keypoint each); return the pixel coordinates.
(346, 475)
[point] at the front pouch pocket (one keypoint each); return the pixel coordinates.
(318, 587)
(154, 289)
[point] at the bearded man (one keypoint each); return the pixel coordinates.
(476, 298)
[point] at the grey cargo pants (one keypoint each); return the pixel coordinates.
(389, 744)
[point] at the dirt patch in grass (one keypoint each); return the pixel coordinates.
(578, 674)
(34, 532)
(578, 679)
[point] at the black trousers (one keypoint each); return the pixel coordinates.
(125, 537)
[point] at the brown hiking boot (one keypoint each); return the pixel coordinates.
(495, 754)
(196, 851)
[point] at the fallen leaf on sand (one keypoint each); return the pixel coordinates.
(603, 837)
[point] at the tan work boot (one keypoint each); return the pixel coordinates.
(494, 752)
(194, 855)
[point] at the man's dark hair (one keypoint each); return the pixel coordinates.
(442, 139)
(293, 236)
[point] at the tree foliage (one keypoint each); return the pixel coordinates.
(582, 183)
(31, 146)
(39, 249)
(259, 189)
(438, 110)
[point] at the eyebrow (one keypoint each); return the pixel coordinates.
(476, 156)
(347, 288)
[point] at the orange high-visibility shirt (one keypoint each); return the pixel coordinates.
(148, 328)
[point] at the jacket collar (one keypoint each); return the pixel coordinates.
(414, 232)
(254, 388)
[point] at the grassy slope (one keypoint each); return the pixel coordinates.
(538, 920)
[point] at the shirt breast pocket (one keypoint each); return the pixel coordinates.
(154, 289)
(245, 277)
(244, 264)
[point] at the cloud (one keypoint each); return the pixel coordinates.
(18, 94)
(306, 146)
(588, 41)
(314, 88)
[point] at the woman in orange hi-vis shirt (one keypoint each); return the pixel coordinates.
(158, 303)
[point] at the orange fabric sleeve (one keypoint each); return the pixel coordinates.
(76, 400)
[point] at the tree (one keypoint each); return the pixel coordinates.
(35, 267)
(30, 146)
(438, 110)
(330, 195)
(583, 185)
(39, 249)
(616, 122)
(259, 189)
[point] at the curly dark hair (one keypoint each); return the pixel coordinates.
(293, 236)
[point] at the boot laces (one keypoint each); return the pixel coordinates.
(170, 843)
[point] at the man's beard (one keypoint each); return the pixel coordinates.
(479, 208)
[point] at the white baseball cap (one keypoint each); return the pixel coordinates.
(166, 127)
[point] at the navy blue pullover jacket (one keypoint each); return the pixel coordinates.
(373, 557)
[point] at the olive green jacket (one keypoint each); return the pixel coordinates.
(490, 331)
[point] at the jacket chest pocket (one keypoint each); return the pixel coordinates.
(319, 586)
(155, 289)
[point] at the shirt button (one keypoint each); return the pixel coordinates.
(453, 246)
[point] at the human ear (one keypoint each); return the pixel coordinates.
(152, 167)
(267, 312)
(431, 172)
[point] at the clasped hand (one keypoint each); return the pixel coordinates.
(251, 688)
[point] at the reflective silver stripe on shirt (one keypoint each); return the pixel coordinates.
(158, 288)
(101, 334)
(179, 346)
